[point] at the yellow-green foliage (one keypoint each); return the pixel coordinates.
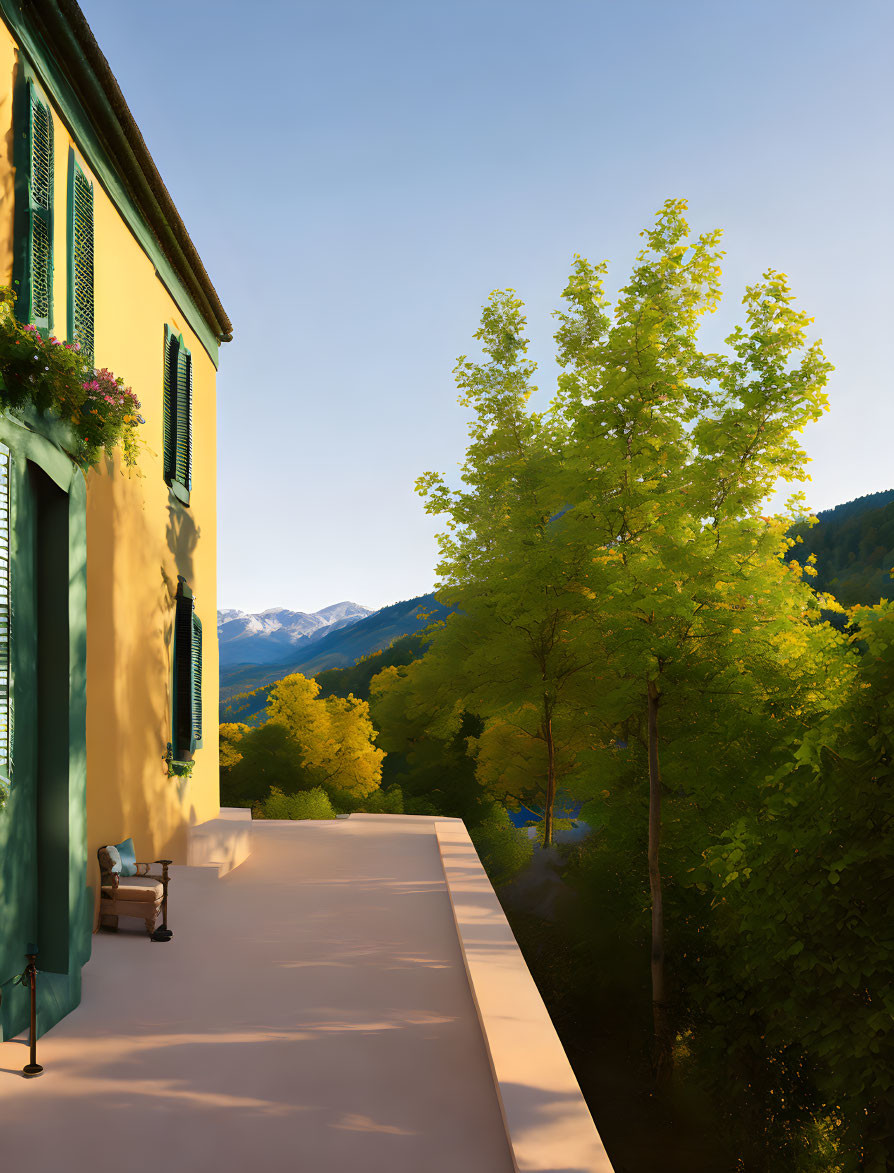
(306, 742)
(230, 749)
(308, 804)
(503, 849)
(511, 756)
(385, 802)
(335, 735)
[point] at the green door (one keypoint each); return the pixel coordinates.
(43, 866)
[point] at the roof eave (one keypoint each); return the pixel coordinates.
(63, 26)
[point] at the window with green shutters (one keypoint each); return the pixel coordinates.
(196, 680)
(80, 256)
(187, 707)
(177, 415)
(33, 152)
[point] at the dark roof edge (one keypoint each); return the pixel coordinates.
(64, 26)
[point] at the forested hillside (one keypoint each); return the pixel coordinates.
(854, 548)
(356, 680)
(250, 707)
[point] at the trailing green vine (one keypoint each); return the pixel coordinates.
(59, 378)
(177, 769)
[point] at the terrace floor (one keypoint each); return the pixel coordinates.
(312, 1012)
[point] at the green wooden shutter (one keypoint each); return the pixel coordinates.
(184, 738)
(33, 278)
(184, 418)
(171, 361)
(80, 257)
(5, 621)
(196, 680)
(41, 213)
(177, 415)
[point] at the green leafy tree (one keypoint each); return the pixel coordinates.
(610, 558)
(512, 758)
(306, 742)
(803, 883)
(231, 736)
(268, 757)
(668, 455)
(334, 738)
(504, 568)
(230, 755)
(426, 734)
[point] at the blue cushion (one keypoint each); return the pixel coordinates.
(128, 857)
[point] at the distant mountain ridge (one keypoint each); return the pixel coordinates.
(857, 506)
(337, 648)
(264, 637)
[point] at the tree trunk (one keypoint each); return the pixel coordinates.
(550, 781)
(662, 1049)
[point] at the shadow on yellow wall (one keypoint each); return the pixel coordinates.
(132, 572)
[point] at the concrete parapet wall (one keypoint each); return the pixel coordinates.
(237, 813)
(223, 843)
(547, 1121)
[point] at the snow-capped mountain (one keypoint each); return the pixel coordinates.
(271, 635)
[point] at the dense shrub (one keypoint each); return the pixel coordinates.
(503, 849)
(307, 804)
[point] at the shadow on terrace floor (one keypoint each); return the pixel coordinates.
(311, 1011)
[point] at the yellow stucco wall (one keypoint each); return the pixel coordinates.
(7, 175)
(139, 538)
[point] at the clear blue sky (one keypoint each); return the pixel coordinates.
(358, 175)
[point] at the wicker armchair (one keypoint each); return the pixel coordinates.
(143, 896)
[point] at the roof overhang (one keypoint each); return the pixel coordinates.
(62, 49)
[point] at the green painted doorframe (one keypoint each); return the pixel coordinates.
(44, 896)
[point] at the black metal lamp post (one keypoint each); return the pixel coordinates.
(29, 977)
(163, 933)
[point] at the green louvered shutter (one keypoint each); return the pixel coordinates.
(34, 219)
(184, 418)
(184, 739)
(177, 415)
(41, 213)
(171, 366)
(80, 257)
(5, 620)
(196, 680)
